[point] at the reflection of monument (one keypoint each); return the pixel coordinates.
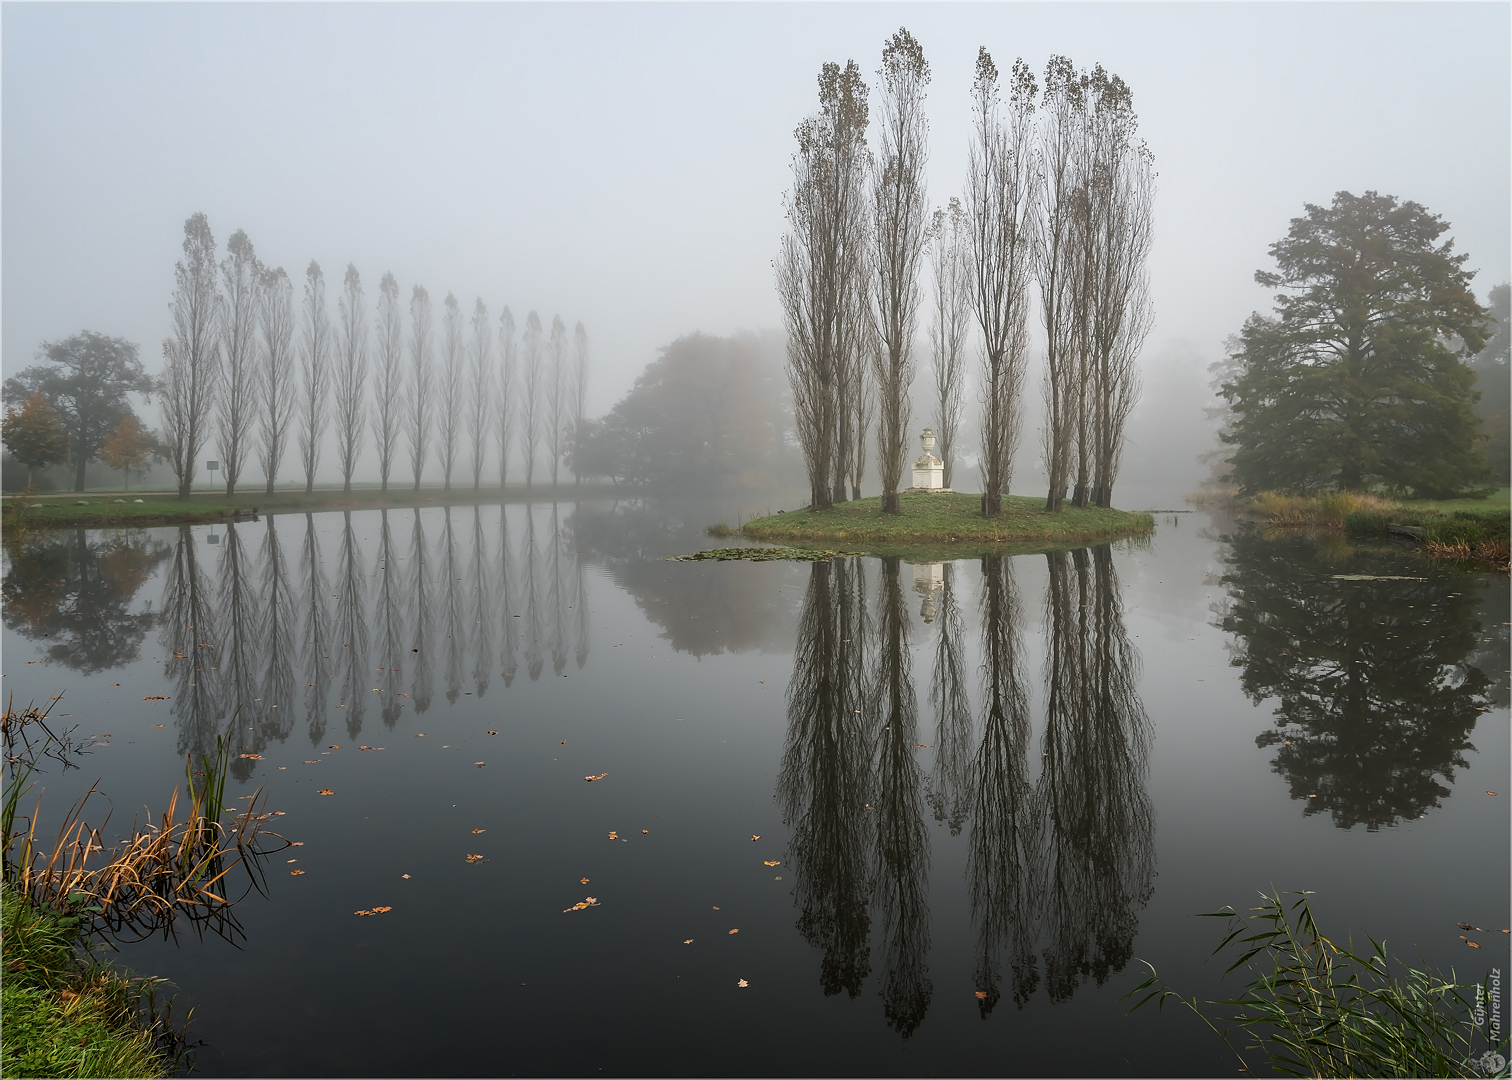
(928, 579)
(928, 471)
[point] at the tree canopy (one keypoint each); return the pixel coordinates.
(86, 378)
(1356, 380)
(707, 413)
(1492, 380)
(34, 433)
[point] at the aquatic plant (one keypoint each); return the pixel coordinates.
(1315, 1009)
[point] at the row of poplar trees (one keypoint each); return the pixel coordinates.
(1059, 194)
(248, 369)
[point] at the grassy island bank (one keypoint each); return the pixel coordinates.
(930, 520)
(97, 509)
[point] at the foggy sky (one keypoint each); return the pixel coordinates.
(624, 165)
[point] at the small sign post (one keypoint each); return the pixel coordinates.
(211, 467)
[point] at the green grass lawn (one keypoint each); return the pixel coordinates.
(64, 1014)
(947, 519)
(1501, 498)
(101, 509)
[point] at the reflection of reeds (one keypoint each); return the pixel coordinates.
(177, 867)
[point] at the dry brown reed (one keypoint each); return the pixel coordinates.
(1328, 509)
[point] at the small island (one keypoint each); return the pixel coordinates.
(931, 518)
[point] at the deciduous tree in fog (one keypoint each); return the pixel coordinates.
(1120, 205)
(192, 355)
(314, 373)
(508, 388)
(86, 379)
(950, 320)
(1061, 270)
(387, 409)
(820, 270)
(579, 389)
(351, 376)
(275, 383)
(899, 224)
(241, 277)
(999, 208)
(421, 385)
(557, 390)
(452, 415)
(480, 401)
(530, 394)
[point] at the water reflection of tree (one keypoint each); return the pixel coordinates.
(452, 608)
(508, 659)
(559, 594)
(389, 624)
(317, 631)
(241, 643)
(1002, 845)
(534, 658)
(1376, 679)
(278, 617)
(189, 636)
(1099, 827)
(422, 616)
(825, 783)
(901, 874)
(352, 627)
(75, 590)
(480, 570)
(950, 780)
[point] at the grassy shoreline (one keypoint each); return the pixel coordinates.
(65, 1013)
(946, 521)
(103, 510)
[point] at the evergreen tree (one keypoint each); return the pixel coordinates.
(1354, 382)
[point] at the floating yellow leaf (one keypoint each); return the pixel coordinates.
(373, 911)
(335, 746)
(156, 697)
(772, 862)
(480, 830)
(583, 881)
(326, 791)
(981, 995)
(742, 984)
(404, 876)
(157, 725)
(600, 776)
(295, 873)
(312, 761)
(688, 941)
(582, 905)
(479, 764)
(493, 732)
(474, 858)
(735, 931)
(253, 757)
(645, 832)
(756, 837)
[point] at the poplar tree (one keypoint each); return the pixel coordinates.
(241, 278)
(421, 384)
(508, 386)
(557, 391)
(387, 419)
(351, 377)
(275, 384)
(192, 354)
(480, 401)
(314, 373)
(530, 397)
(579, 391)
(899, 224)
(950, 321)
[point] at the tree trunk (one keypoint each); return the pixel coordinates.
(79, 475)
(183, 491)
(230, 489)
(992, 503)
(270, 485)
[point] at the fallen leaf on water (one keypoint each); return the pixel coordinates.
(335, 746)
(364, 748)
(736, 930)
(1472, 944)
(564, 742)
(480, 830)
(475, 858)
(614, 836)
(922, 745)
(688, 941)
(373, 911)
(326, 791)
(278, 813)
(645, 832)
(756, 837)
(772, 862)
(583, 881)
(479, 764)
(493, 732)
(296, 843)
(1490, 793)
(742, 983)
(1467, 926)
(716, 907)
(157, 725)
(419, 734)
(253, 757)
(281, 768)
(312, 761)
(291, 860)
(600, 776)
(157, 697)
(582, 905)
(981, 995)
(295, 873)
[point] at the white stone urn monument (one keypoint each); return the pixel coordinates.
(928, 471)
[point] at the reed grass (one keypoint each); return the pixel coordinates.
(1311, 1008)
(187, 863)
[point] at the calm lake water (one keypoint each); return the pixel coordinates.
(949, 808)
